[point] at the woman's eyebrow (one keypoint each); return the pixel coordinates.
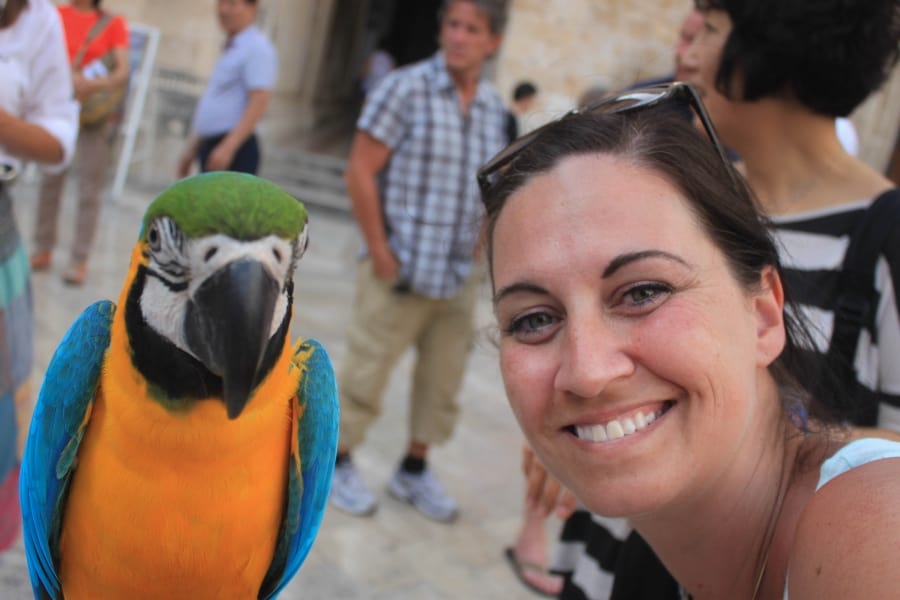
(523, 286)
(614, 265)
(625, 259)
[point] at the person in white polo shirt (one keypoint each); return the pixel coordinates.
(236, 98)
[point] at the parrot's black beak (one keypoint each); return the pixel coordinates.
(227, 327)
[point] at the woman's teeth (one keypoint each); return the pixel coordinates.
(617, 428)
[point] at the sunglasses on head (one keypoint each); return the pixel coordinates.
(674, 96)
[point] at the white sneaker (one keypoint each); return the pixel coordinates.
(350, 493)
(424, 492)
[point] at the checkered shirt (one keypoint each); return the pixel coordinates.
(430, 199)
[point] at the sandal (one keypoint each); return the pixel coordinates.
(40, 261)
(524, 568)
(75, 273)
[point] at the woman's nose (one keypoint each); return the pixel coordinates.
(593, 354)
(687, 59)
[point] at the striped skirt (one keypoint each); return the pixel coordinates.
(16, 331)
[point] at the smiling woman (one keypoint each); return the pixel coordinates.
(650, 362)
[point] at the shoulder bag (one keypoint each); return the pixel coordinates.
(96, 108)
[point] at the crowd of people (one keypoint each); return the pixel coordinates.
(699, 335)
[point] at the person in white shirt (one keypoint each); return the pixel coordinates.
(38, 121)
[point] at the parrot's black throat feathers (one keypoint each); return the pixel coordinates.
(176, 379)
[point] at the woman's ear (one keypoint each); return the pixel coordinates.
(768, 304)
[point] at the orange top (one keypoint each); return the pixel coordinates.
(78, 24)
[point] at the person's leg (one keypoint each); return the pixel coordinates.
(442, 354)
(94, 149)
(528, 554)
(382, 328)
(45, 223)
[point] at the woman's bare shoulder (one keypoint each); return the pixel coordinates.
(847, 542)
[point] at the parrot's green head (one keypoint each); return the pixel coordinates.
(219, 252)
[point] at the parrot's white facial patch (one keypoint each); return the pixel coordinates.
(302, 243)
(209, 254)
(180, 266)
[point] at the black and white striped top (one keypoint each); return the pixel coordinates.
(812, 247)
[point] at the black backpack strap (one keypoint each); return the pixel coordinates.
(857, 298)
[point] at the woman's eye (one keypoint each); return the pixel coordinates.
(646, 293)
(531, 325)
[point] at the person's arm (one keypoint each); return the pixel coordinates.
(183, 169)
(223, 154)
(543, 492)
(84, 87)
(27, 140)
(47, 129)
(847, 541)
(368, 156)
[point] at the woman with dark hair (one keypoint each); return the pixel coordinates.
(649, 359)
(774, 75)
(98, 49)
(38, 121)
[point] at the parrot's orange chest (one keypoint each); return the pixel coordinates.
(168, 505)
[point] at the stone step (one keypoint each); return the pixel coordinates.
(315, 179)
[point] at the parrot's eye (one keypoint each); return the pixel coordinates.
(277, 254)
(153, 237)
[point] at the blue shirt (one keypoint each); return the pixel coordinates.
(249, 62)
(432, 207)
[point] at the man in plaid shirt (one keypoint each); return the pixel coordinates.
(422, 135)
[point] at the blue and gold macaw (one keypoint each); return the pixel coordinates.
(180, 447)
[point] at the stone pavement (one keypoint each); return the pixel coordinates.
(395, 554)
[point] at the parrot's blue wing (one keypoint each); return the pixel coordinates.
(310, 481)
(60, 417)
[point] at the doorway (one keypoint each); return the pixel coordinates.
(407, 29)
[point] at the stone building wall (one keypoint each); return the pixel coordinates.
(567, 46)
(190, 39)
